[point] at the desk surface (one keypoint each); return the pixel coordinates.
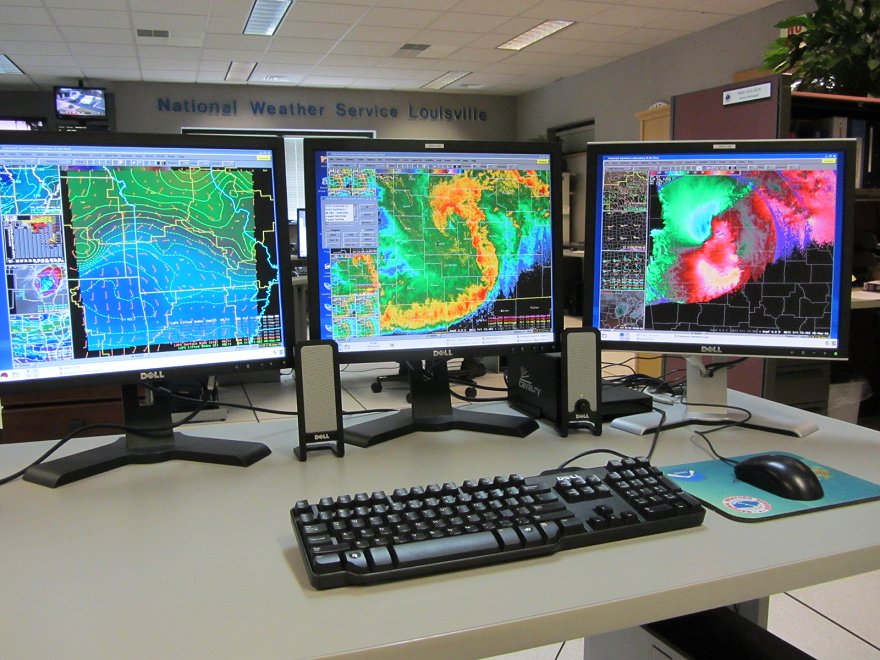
(191, 560)
(862, 299)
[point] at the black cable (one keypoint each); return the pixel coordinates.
(589, 452)
(110, 427)
(703, 433)
(559, 652)
(657, 430)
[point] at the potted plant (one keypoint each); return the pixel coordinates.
(835, 49)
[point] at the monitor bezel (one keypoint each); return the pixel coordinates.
(847, 147)
(125, 376)
(75, 116)
(311, 146)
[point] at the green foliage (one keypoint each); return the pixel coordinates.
(838, 50)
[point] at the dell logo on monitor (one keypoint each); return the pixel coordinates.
(152, 375)
(444, 352)
(710, 349)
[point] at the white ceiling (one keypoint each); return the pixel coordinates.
(339, 43)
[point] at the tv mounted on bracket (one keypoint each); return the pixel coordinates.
(84, 103)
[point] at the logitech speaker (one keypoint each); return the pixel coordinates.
(318, 398)
(581, 381)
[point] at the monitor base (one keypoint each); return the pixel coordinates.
(372, 432)
(149, 439)
(707, 398)
(678, 415)
(108, 457)
(432, 411)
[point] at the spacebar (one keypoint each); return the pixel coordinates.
(432, 551)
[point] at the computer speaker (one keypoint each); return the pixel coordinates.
(580, 381)
(318, 398)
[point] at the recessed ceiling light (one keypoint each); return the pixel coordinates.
(239, 71)
(537, 33)
(277, 78)
(8, 66)
(266, 16)
(446, 79)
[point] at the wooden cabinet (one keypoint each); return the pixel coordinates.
(654, 122)
(53, 414)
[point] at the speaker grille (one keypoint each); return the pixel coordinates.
(317, 377)
(580, 357)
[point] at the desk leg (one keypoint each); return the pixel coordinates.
(757, 611)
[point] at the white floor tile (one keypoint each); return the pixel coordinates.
(814, 634)
(852, 602)
(572, 650)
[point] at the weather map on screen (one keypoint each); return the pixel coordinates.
(150, 274)
(115, 252)
(421, 244)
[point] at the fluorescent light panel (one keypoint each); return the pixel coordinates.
(266, 16)
(239, 71)
(537, 33)
(8, 66)
(446, 79)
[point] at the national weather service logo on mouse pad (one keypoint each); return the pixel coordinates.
(686, 475)
(746, 504)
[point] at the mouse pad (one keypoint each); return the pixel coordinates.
(713, 483)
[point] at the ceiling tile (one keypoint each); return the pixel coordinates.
(326, 81)
(35, 33)
(571, 10)
(408, 18)
(170, 22)
(24, 16)
(87, 35)
(381, 34)
(192, 7)
(630, 16)
(315, 30)
(301, 45)
(92, 18)
(496, 7)
(108, 5)
(368, 48)
(324, 12)
(455, 21)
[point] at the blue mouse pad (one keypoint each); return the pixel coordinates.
(713, 482)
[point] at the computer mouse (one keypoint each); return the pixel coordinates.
(782, 475)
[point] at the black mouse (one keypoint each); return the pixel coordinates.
(782, 475)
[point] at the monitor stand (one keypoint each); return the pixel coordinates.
(142, 445)
(709, 389)
(432, 410)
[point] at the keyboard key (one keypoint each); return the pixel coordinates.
(446, 549)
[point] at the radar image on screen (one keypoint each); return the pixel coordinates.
(457, 250)
(750, 250)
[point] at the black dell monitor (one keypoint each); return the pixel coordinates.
(141, 259)
(421, 251)
(720, 248)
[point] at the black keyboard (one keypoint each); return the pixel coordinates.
(376, 537)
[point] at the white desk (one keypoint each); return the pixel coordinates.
(186, 560)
